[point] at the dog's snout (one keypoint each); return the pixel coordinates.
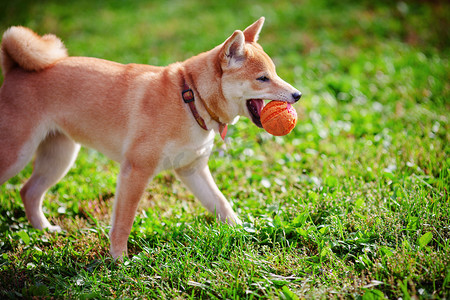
(296, 96)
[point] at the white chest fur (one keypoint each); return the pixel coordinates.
(175, 156)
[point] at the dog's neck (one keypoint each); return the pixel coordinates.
(188, 96)
(204, 73)
(209, 95)
(192, 87)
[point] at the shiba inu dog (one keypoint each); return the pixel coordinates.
(146, 118)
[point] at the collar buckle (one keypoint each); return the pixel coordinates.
(187, 95)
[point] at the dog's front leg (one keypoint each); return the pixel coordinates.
(197, 177)
(130, 186)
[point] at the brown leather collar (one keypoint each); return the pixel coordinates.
(188, 97)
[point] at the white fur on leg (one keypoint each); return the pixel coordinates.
(54, 158)
(199, 180)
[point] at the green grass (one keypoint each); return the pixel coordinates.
(353, 204)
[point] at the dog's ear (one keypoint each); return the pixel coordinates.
(233, 51)
(251, 33)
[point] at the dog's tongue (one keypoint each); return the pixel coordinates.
(258, 104)
(255, 107)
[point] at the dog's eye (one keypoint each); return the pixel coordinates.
(263, 78)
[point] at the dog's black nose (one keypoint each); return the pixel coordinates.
(296, 96)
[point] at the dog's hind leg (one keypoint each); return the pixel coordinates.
(17, 146)
(54, 157)
(20, 135)
(11, 163)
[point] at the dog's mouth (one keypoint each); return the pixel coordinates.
(255, 107)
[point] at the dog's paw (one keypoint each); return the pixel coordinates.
(53, 228)
(234, 221)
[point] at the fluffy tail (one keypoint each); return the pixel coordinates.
(24, 48)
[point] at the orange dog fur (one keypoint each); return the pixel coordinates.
(51, 103)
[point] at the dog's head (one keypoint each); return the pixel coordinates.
(249, 76)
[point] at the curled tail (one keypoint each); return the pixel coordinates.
(24, 48)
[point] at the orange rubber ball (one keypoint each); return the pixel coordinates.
(278, 118)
